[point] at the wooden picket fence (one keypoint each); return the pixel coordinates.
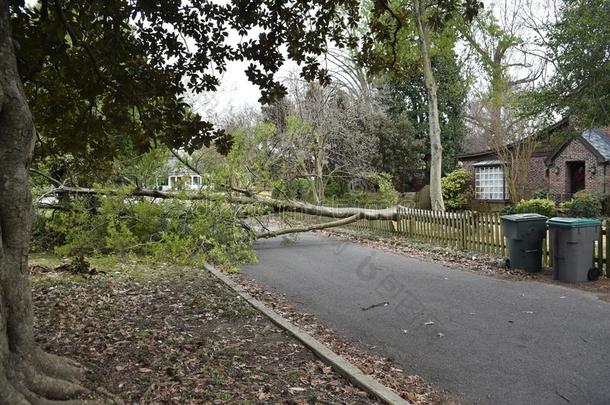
(464, 230)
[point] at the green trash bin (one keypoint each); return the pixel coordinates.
(572, 241)
(524, 233)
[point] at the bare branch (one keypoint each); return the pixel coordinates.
(332, 224)
(185, 161)
(46, 176)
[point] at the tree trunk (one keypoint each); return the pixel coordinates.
(276, 205)
(318, 181)
(27, 375)
(436, 149)
(514, 150)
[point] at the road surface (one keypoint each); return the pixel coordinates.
(481, 339)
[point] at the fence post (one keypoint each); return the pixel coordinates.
(445, 230)
(473, 231)
(607, 247)
(484, 234)
(462, 233)
(600, 249)
(419, 226)
(411, 224)
(494, 229)
(428, 225)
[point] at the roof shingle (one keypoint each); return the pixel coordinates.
(599, 139)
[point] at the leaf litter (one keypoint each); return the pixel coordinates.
(167, 335)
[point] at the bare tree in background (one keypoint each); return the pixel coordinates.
(351, 77)
(326, 140)
(509, 63)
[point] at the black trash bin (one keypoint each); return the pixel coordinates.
(572, 241)
(524, 233)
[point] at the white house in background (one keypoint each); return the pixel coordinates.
(179, 178)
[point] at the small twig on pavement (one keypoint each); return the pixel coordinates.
(381, 304)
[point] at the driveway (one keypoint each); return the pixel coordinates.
(481, 339)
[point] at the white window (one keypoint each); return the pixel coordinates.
(490, 183)
(172, 181)
(196, 180)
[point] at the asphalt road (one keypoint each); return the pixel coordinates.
(481, 339)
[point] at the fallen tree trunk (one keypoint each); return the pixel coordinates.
(342, 216)
(276, 205)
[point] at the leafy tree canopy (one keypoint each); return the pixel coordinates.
(579, 46)
(390, 41)
(106, 76)
(407, 95)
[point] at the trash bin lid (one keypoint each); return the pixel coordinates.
(523, 217)
(573, 222)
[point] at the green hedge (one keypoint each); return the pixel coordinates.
(542, 206)
(587, 204)
(457, 189)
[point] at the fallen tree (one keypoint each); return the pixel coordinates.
(269, 205)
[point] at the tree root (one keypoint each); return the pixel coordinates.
(59, 367)
(9, 394)
(49, 387)
(114, 398)
(33, 398)
(27, 382)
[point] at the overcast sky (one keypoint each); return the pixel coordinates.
(236, 92)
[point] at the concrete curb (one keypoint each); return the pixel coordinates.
(351, 372)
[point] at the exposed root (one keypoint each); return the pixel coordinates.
(60, 367)
(115, 398)
(9, 394)
(49, 387)
(34, 399)
(27, 384)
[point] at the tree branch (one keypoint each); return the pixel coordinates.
(46, 176)
(276, 205)
(184, 161)
(332, 224)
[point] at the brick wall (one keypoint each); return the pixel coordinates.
(559, 174)
(537, 175)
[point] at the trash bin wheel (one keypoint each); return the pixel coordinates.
(593, 274)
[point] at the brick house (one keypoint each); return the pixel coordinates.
(562, 169)
(580, 164)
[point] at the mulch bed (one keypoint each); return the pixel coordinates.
(162, 335)
(411, 387)
(479, 263)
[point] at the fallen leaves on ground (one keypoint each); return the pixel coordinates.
(164, 335)
(411, 387)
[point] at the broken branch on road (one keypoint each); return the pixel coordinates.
(381, 304)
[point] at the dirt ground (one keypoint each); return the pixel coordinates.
(165, 335)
